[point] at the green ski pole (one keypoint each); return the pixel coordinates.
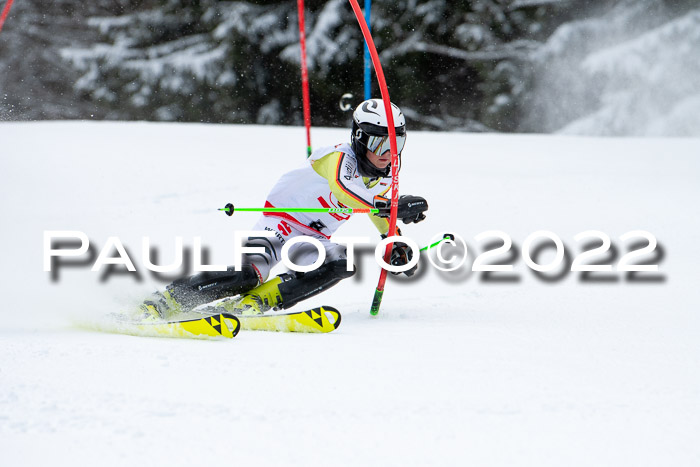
(230, 209)
(447, 236)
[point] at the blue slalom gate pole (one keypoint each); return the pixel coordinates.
(368, 61)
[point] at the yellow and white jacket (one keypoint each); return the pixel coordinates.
(329, 180)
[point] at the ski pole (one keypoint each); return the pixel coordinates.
(230, 209)
(447, 236)
(379, 292)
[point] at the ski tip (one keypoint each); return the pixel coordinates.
(335, 315)
(235, 323)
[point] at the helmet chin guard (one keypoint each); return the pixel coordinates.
(369, 121)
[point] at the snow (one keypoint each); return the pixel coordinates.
(456, 370)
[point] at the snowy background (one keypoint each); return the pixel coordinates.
(456, 370)
(586, 67)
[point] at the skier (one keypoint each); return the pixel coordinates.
(356, 175)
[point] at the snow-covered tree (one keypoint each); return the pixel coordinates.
(238, 61)
(609, 67)
(34, 82)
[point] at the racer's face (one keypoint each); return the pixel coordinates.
(380, 162)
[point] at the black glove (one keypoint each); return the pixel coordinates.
(410, 210)
(401, 254)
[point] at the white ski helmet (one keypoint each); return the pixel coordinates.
(370, 131)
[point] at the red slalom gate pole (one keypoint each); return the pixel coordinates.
(304, 77)
(379, 292)
(5, 12)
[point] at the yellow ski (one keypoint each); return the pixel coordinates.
(221, 325)
(321, 319)
(203, 325)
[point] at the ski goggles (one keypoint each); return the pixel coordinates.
(381, 144)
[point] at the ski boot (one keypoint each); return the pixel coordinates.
(285, 290)
(160, 306)
(257, 301)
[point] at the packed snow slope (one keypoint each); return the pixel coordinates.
(459, 368)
